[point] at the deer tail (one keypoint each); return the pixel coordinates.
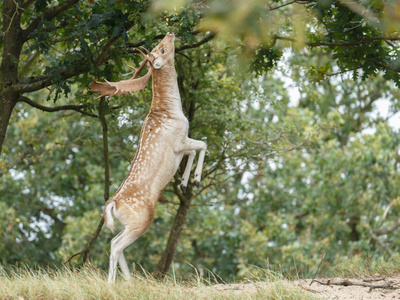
(108, 215)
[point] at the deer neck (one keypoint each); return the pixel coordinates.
(166, 96)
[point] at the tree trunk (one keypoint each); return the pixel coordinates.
(12, 45)
(175, 234)
(6, 108)
(353, 223)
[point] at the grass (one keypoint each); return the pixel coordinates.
(368, 267)
(89, 283)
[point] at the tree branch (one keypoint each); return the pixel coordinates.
(77, 108)
(289, 3)
(27, 3)
(28, 63)
(340, 44)
(39, 82)
(387, 229)
(203, 41)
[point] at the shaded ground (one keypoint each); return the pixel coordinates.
(338, 288)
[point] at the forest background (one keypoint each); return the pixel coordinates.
(296, 100)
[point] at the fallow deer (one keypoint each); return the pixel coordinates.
(163, 142)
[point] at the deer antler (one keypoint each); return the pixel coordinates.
(144, 55)
(123, 87)
(147, 51)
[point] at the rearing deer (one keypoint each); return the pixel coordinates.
(163, 142)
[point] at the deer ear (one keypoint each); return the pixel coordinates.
(121, 87)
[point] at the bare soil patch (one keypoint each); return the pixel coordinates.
(353, 288)
(333, 288)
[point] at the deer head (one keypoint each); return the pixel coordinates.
(161, 55)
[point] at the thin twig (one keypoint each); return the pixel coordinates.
(86, 251)
(17, 7)
(69, 259)
(347, 282)
(319, 266)
(372, 279)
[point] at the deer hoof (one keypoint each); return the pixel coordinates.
(197, 184)
(183, 188)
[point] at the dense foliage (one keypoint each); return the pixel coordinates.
(285, 179)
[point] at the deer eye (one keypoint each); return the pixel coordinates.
(162, 51)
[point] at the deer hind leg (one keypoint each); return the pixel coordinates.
(118, 244)
(124, 266)
(190, 145)
(186, 174)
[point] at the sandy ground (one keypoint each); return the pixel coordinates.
(344, 290)
(338, 288)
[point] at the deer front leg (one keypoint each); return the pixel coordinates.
(186, 174)
(189, 145)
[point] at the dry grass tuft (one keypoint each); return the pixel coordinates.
(89, 283)
(357, 267)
